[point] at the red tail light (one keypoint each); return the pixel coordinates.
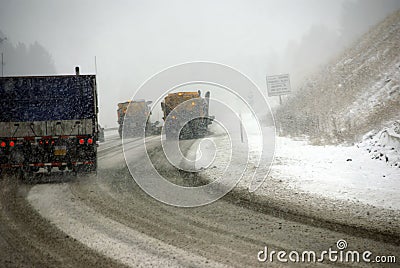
(90, 141)
(81, 141)
(40, 142)
(12, 144)
(2, 144)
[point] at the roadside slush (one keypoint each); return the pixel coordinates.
(280, 197)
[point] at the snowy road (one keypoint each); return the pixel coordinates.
(108, 220)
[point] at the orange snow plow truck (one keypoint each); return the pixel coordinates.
(181, 107)
(134, 119)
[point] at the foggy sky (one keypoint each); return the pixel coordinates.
(133, 40)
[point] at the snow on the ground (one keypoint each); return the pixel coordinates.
(354, 173)
(345, 173)
(337, 172)
(111, 134)
(61, 207)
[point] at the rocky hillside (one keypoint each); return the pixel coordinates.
(356, 93)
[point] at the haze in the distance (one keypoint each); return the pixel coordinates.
(132, 40)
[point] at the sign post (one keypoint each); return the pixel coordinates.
(241, 127)
(278, 85)
(2, 65)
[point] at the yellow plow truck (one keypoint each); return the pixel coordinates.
(181, 107)
(134, 119)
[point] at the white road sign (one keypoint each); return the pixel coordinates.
(278, 85)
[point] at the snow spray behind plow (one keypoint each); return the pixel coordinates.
(233, 97)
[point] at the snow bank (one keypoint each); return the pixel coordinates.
(333, 172)
(337, 172)
(384, 145)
